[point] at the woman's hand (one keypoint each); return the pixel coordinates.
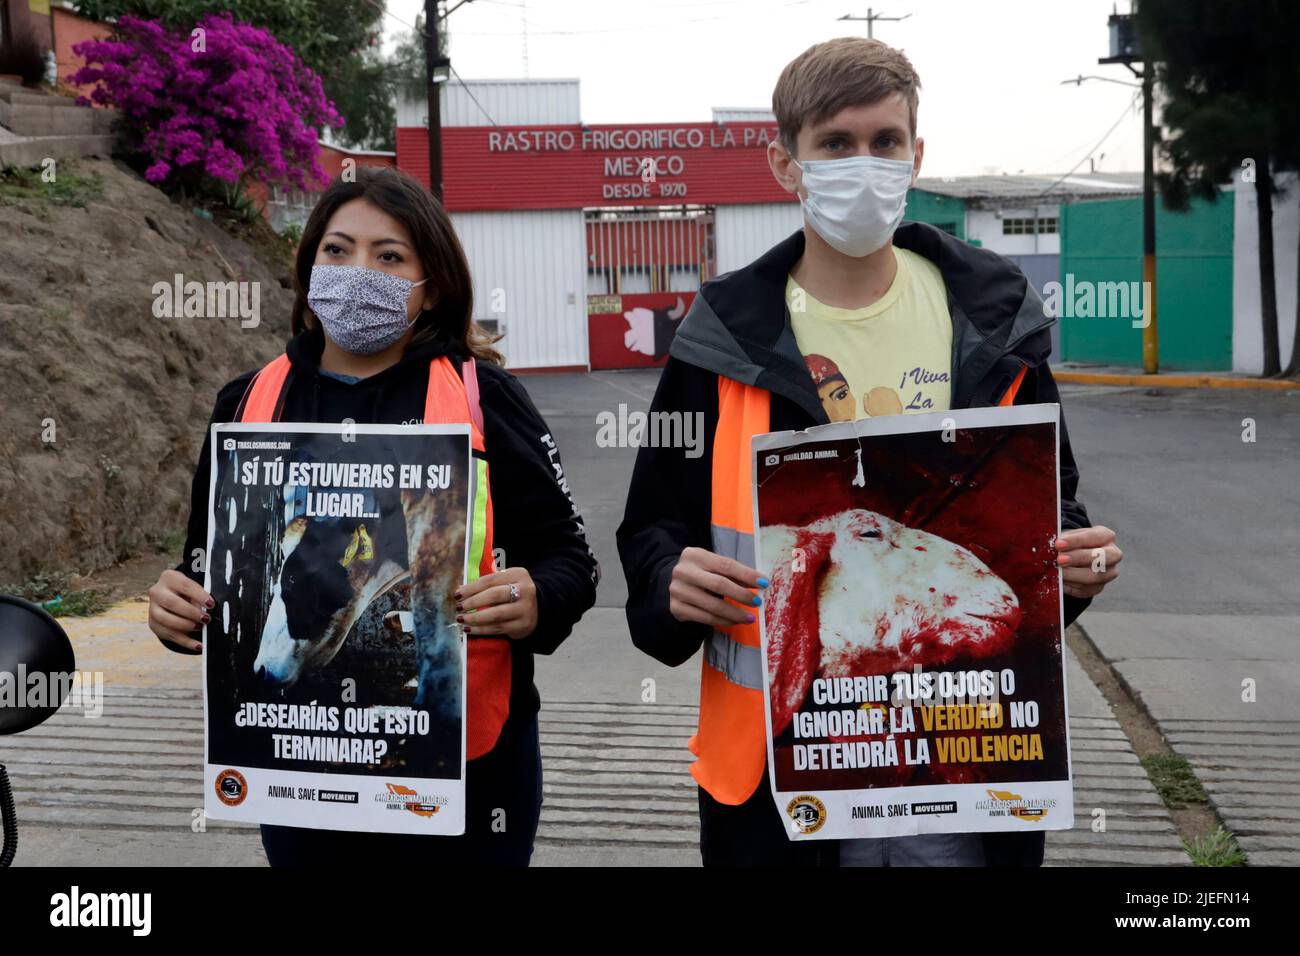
(177, 608)
(484, 606)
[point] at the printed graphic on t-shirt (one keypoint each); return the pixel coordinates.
(911, 393)
(889, 358)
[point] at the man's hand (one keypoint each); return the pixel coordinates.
(702, 579)
(1089, 558)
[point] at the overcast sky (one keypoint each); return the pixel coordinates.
(991, 99)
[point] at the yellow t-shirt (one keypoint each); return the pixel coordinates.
(893, 356)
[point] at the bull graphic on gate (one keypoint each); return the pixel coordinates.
(651, 331)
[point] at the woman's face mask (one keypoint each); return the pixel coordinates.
(857, 202)
(363, 310)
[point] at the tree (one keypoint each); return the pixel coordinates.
(1229, 80)
(407, 70)
(223, 102)
(337, 39)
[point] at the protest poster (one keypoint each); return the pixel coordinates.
(912, 630)
(334, 671)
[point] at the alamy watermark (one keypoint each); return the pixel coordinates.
(1083, 299)
(42, 689)
(626, 429)
(179, 299)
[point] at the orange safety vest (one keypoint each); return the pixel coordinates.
(731, 742)
(451, 400)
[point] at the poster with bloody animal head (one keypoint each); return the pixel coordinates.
(912, 629)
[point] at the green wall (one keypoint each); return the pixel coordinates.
(942, 211)
(1101, 241)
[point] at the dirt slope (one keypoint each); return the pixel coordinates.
(128, 394)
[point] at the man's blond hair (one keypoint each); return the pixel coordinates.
(847, 71)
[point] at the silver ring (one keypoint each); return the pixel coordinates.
(514, 593)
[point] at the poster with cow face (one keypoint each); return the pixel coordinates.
(912, 629)
(334, 670)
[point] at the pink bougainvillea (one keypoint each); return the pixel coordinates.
(228, 101)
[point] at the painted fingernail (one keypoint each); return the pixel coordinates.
(212, 602)
(460, 607)
(750, 618)
(460, 618)
(757, 600)
(456, 595)
(206, 618)
(763, 582)
(468, 629)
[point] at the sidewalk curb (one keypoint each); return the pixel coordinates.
(1141, 380)
(1148, 736)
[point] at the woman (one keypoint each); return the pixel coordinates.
(369, 247)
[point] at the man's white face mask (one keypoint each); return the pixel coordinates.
(857, 202)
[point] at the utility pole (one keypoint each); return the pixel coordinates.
(438, 69)
(433, 59)
(1150, 340)
(1125, 48)
(871, 19)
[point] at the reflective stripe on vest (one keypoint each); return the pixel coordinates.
(451, 399)
(731, 743)
(740, 663)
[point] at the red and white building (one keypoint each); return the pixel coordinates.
(587, 243)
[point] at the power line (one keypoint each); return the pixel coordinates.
(410, 26)
(1129, 106)
(470, 94)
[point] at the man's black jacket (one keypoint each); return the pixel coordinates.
(739, 326)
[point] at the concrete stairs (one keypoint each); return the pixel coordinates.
(35, 125)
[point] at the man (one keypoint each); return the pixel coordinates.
(911, 320)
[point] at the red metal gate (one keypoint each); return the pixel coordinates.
(644, 267)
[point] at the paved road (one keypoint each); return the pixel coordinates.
(1209, 524)
(598, 476)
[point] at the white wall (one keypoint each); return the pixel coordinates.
(743, 233)
(1247, 337)
(986, 226)
(535, 265)
(508, 102)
